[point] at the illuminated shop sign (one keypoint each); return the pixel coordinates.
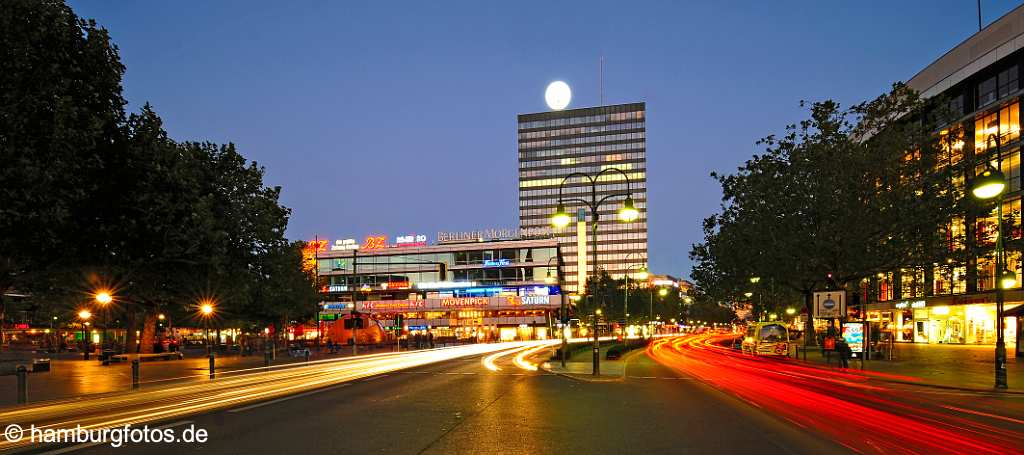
(337, 288)
(445, 284)
(535, 300)
(345, 244)
(494, 234)
(375, 242)
(394, 305)
(456, 302)
(497, 262)
(411, 240)
(396, 285)
(908, 304)
(335, 306)
(665, 283)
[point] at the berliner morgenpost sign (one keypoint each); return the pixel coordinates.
(829, 304)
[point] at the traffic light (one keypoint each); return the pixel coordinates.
(398, 323)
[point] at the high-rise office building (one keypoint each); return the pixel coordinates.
(553, 145)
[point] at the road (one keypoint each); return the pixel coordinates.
(864, 411)
(476, 403)
(683, 395)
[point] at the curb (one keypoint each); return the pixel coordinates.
(601, 378)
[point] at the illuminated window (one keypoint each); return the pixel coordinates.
(983, 128)
(986, 273)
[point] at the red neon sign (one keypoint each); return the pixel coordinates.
(375, 242)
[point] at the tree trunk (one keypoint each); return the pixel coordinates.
(148, 332)
(130, 322)
(810, 339)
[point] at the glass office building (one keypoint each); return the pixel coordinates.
(553, 145)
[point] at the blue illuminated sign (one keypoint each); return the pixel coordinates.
(497, 262)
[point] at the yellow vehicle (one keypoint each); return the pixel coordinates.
(766, 338)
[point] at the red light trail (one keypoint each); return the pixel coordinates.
(856, 409)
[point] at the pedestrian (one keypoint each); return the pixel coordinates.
(844, 351)
(430, 339)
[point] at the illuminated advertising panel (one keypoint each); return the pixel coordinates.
(459, 302)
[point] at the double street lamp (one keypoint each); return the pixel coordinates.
(991, 183)
(627, 213)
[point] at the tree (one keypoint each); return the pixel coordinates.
(93, 199)
(60, 103)
(844, 195)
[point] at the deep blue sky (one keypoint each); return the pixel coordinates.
(400, 117)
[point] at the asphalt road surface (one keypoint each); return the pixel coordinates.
(493, 400)
(461, 406)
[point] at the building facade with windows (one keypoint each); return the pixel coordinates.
(954, 302)
(553, 145)
(482, 290)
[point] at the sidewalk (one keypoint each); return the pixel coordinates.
(946, 365)
(73, 377)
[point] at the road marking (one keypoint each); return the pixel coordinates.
(291, 397)
(99, 443)
(374, 378)
(984, 414)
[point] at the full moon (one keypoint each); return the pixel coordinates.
(558, 95)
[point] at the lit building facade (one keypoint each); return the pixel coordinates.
(482, 290)
(553, 145)
(954, 302)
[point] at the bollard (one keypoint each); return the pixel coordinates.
(307, 355)
(135, 374)
(211, 367)
(22, 384)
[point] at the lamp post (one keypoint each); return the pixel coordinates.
(84, 316)
(103, 298)
(989, 184)
(206, 310)
(627, 213)
(640, 275)
(563, 315)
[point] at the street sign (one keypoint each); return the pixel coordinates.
(829, 304)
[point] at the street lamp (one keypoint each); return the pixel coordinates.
(989, 184)
(84, 316)
(103, 298)
(626, 213)
(206, 310)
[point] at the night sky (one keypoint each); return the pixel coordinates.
(396, 118)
